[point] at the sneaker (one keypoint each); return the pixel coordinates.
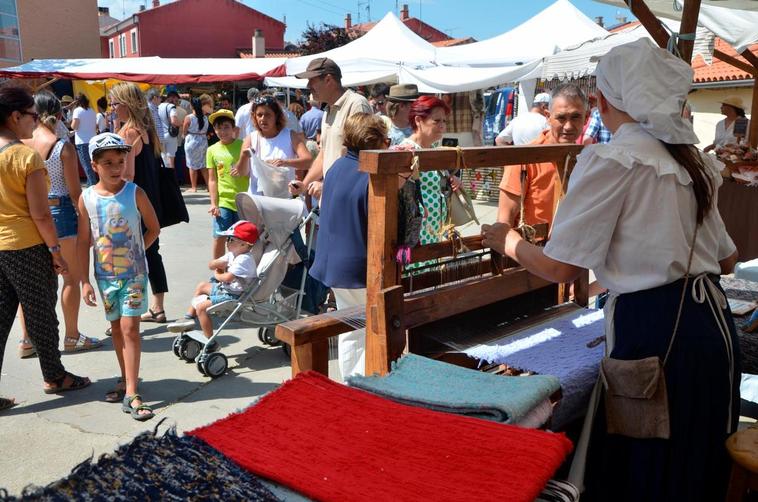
(185, 324)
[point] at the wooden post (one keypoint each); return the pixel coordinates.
(311, 356)
(382, 269)
(651, 23)
(753, 133)
(688, 25)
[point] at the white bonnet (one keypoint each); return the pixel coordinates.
(650, 84)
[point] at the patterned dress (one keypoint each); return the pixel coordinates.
(196, 143)
(435, 205)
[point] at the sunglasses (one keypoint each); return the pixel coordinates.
(35, 116)
(264, 100)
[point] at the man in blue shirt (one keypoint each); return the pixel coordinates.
(311, 120)
(596, 132)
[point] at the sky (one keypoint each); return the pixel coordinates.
(480, 19)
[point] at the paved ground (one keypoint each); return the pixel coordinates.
(45, 436)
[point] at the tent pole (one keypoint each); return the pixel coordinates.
(688, 25)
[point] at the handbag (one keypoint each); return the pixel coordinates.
(273, 181)
(173, 208)
(460, 209)
(636, 401)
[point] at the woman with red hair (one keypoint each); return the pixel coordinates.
(428, 119)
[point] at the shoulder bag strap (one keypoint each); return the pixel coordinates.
(684, 292)
(5, 147)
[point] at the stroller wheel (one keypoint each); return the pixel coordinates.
(200, 367)
(176, 345)
(267, 336)
(189, 349)
(287, 350)
(215, 365)
(260, 335)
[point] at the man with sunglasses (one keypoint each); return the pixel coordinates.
(325, 83)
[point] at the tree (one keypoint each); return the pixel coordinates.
(323, 37)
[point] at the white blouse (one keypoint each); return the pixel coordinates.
(725, 135)
(629, 215)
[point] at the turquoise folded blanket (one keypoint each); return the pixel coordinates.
(419, 381)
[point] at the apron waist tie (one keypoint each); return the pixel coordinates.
(704, 290)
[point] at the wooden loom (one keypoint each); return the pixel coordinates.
(395, 316)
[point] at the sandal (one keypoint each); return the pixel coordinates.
(77, 383)
(26, 349)
(80, 344)
(117, 394)
(6, 403)
(152, 316)
(126, 407)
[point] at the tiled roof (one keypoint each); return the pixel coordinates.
(454, 41)
(720, 71)
(248, 54)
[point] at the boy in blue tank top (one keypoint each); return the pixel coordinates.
(111, 215)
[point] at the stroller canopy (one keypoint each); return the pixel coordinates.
(278, 217)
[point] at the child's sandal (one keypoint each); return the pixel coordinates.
(126, 407)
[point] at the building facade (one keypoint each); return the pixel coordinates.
(191, 28)
(26, 30)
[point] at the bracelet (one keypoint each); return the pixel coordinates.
(54, 249)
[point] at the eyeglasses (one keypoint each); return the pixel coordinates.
(35, 116)
(380, 103)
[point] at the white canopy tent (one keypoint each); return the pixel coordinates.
(154, 70)
(388, 42)
(557, 27)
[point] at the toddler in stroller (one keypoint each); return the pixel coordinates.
(233, 272)
(264, 300)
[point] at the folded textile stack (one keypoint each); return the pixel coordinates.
(331, 442)
(156, 468)
(420, 381)
(567, 347)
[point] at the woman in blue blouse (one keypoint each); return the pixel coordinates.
(342, 240)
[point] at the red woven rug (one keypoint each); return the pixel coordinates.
(331, 442)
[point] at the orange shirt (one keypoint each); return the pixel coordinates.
(539, 186)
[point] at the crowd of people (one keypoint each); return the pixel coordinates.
(641, 183)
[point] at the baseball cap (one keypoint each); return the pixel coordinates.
(242, 230)
(319, 67)
(542, 97)
(107, 141)
(220, 113)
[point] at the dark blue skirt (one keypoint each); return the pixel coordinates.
(693, 464)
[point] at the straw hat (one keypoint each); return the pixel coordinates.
(66, 99)
(403, 92)
(734, 101)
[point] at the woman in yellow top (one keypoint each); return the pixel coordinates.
(30, 254)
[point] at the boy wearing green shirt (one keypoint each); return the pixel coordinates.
(224, 181)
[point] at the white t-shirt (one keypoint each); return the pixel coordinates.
(524, 129)
(725, 135)
(102, 124)
(629, 215)
(242, 120)
(244, 269)
(87, 124)
(165, 111)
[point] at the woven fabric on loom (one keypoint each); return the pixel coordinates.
(562, 347)
(167, 468)
(421, 381)
(331, 442)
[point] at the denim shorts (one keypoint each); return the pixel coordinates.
(225, 219)
(123, 297)
(64, 216)
(219, 294)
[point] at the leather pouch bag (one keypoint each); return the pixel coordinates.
(636, 403)
(460, 209)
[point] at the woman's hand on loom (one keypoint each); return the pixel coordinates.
(493, 236)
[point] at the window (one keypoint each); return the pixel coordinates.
(110, 49)
(134, 41)
(122, 45)
(10, 41)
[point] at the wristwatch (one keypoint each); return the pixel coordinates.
(54, 249)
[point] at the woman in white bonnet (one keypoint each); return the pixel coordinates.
(630, 215)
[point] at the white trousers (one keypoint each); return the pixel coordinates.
(352, 345)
